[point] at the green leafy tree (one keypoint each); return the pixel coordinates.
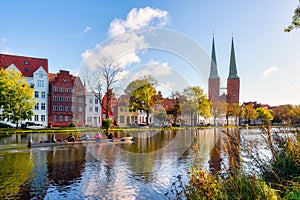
(264, 114)
(16, 97)
(196, 102)
(295, 24)
(250, 113)
(282, 114)
(142, 95)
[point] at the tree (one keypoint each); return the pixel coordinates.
(142, 95)
(218, 108)
(236, 111)
(250, 113)
(103, 80)
(196, 102)
(282, 114)
(16, 97)
(295, 24)
(265, 115)
(295, 113)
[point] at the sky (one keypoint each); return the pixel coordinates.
(72, 33)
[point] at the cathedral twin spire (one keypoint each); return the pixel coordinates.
(233, 82)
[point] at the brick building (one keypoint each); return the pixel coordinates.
(35, 70)
(66, 100)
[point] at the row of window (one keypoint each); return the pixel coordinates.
(37, 95)
(96, 109)
(37, 117)
(67, 99)
(43, 106)
(66, 90)
(62, 118)
(91, 101)
(66, 108)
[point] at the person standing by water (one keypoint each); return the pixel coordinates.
(110, 135)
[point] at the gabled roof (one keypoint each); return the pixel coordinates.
(26, 65)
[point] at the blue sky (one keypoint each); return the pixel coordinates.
(64, 31)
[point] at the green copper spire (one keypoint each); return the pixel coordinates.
(232, 67)
(213, 65)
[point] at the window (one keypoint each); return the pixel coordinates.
(73, 91)
(55, 89)
(26, 69)
(80, 118)
(80, 99)
(73, 109)
(96, 101)
(60, 118)
(36, 94)
(67, 108)
(43, 118)
(61, 89)
(91, 109)
(61, 98)
(96, 109)
(55, 98)
(40, 83)
(121, 119)
(36, 107)
(67, 99)
(73, 99)
(91, 100)
(43, 106)
(55, 108)
(66, 118)
(67, 90)
(36, 118)
(121, 109)
(61, 108)
(43, 95)
(55, 118)
(79, 109)
(112, 110)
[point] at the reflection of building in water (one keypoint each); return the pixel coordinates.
(233, 147)
(64, 167)
(215, 154)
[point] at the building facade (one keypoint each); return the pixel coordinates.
(35, 70)
(92, 110)
(66, 100)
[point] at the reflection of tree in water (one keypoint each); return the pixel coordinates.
(65, 166)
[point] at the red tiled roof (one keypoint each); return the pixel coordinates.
(27, 65)
(51, 76)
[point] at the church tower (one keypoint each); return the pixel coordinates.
(214, 79)
(233, 81)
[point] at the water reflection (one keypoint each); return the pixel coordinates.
(145, 169)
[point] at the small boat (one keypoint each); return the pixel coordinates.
(89, 141)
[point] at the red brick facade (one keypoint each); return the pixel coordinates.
(233, 91)
(66, 100)
(213, 89)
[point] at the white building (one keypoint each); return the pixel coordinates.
(35, 70)
(93, 111)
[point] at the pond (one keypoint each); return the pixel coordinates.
(145, 169)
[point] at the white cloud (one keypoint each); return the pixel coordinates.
(126, 39)
(269, 71)
(138, 19)
(85, 31)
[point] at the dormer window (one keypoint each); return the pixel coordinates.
(26, 69)
(26, 62)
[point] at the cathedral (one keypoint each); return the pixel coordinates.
(233, 80)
